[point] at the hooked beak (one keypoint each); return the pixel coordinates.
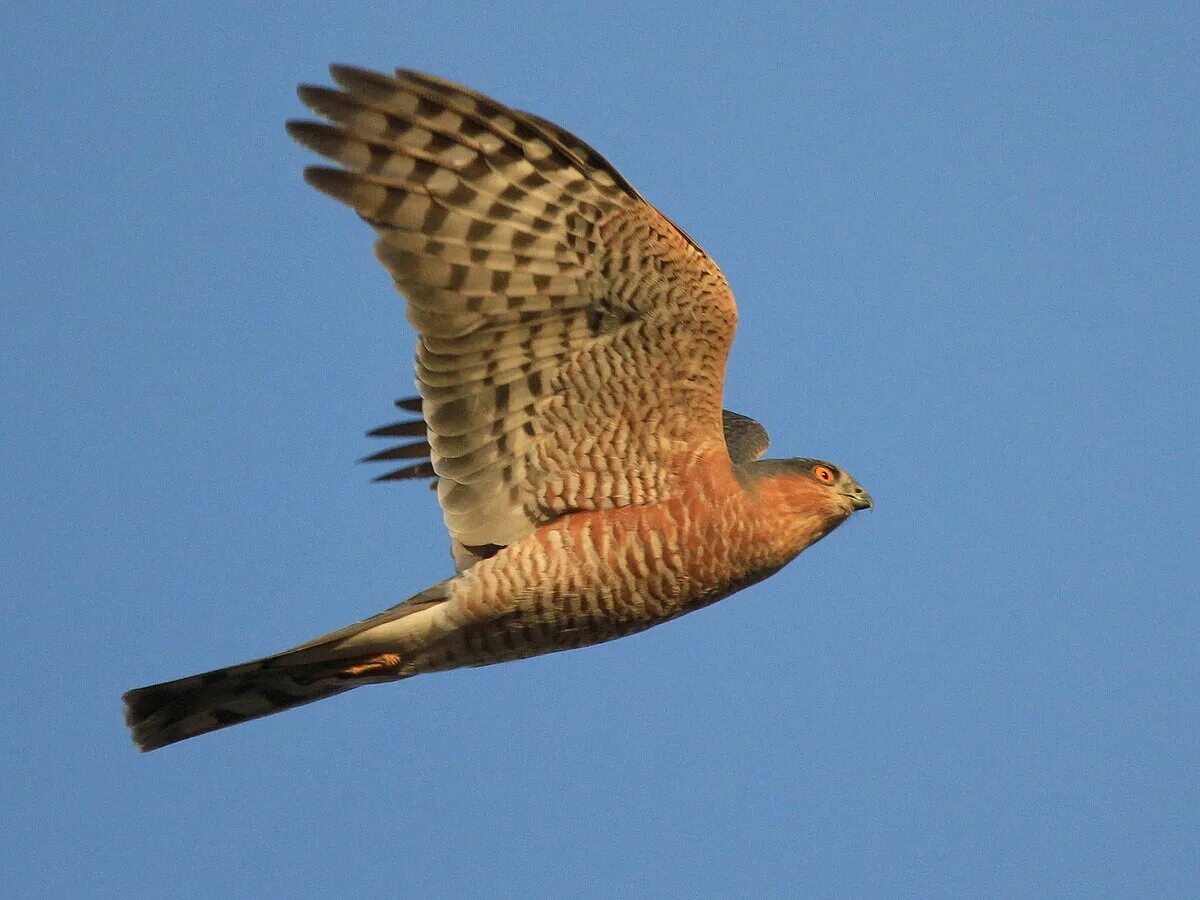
(859, 498)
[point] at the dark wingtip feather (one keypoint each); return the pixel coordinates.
(420, 470)
(337, 183)
(320, 138)
(412, 428)
(404, 451)
(317, 97)
(412, 404)
(355, 79)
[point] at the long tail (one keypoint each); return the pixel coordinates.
(163, 714)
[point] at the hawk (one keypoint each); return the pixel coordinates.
(570, 361)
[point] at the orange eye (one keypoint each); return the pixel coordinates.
(824, 474)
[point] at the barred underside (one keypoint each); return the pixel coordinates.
(571, 337)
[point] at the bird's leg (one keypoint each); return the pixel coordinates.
(372, 664)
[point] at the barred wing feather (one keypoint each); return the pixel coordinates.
(572, 340)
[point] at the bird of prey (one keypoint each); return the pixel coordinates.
(570, 362)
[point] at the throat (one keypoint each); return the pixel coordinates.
(792, 512)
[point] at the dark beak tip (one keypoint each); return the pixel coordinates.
(862, 500)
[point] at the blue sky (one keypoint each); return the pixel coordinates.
(964, 246)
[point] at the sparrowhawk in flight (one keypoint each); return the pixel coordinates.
(571, 350)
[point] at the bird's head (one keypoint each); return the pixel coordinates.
(836, 486)
(807, 497)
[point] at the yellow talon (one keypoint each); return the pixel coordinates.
(373, 664)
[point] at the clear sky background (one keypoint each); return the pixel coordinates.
(965, 247)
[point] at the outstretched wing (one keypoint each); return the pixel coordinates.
(572, 341)
(745, 438)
